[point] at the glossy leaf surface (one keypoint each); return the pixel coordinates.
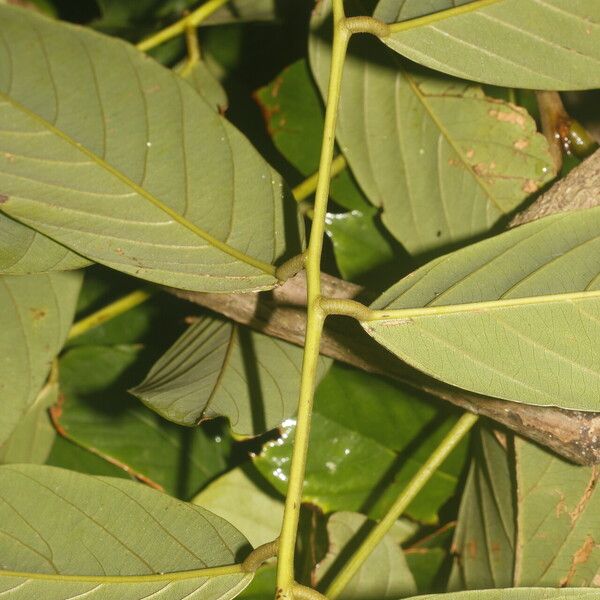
(98, 414)
(368, 438)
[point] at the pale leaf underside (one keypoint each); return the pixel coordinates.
(118, 159)
(36, 312)
(516, 316)
(217, 368)
(441, 159)
(112, 539)
(539, 44)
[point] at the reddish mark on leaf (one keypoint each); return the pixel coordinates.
(3, 198)
(561, 506)
(55, 415)
(38, 313)
(471, 549)
(515, 116)
(587, 494)
(580, 557)
(530, 186)
(276, 87)
(521, 144)
(470, 153)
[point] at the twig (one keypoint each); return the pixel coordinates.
(281, 313)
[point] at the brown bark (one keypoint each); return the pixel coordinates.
(282, 313)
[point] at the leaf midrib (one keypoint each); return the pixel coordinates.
(429, 110)
(441, 15)
(404, 315)
(219, 245)
(128, 579)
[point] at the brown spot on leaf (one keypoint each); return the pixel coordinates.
(516, 117)
(38, 313)
(521, 144)
(471, 549)
(561, 506)
(587, 494)
(530, 186)
(3, 198)
(276, 87)
(470, 153)
(55, 413)
(9, 157)
(580, 557)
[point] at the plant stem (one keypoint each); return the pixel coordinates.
(303, 190)
(316, 317)
(192, 20)
(259, 555)
(407, 495)
(193, 50)
(112, 310)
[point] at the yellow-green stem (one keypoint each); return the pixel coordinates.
(409, 493)
(303, 190)
(315, 317)
(112, 310)
(192, 20)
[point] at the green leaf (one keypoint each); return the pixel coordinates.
(109, 530)
(384, 575)
(244, 10)
(484, 541)
(428, 557)
(443, 161)
(98, 414)
(358, 244)
(552, 45)
(36, 312)
(516, 594)
(117, 158)
(368, 438)
(262, 586)
(206, 84)
(294, 116)
(514, 317)
(68, 455)
(217, 368)
(32, 439)
(24, 251)
(258, 517)
(528, 518)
